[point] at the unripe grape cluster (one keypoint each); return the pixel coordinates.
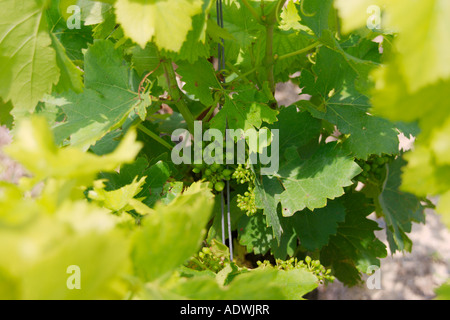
(313, 266)
(246, 202)
(206, 260)
(374, 168)
(214, 173)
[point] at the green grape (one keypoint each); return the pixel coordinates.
(226, 172)
(243, 175)
(373, 169)
(380, 161)
(206, 250)
(206, 260)
(218, 186)
(247, 202)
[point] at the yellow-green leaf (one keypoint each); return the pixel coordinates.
(166, 22)
(28, 66)
(35, 149)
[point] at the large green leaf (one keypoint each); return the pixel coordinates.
(77, 234)
(100, 258)
(355, 247)
(105, 102)
(172, 234)
(28, 67)
(308, 183)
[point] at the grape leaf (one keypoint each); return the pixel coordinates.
(241, 25)
(126, 174)
(120, 200)
(244, 286)
(161, 244)
(315, 228)
(101, 258)
(145, 59)
(285, 42)
(34, 140)
(422, 45)
(290, 17)
(73, 40)
(422, 175)
(296, 283)
(165, 22)
(196, 45)
(254, 234)
(267, 191)
(443, 292)
(6, 118)
(296, 129)
(353, 13)
(245, 110)
(105, 102)
(399, 208)
(308, 183)
(315, 15)
(28, 66)
(422, 41)
(393, 100)
(342, 105)
(200, 80)
(157, 176)
(71, 76)
(77, 234)
(354, 247)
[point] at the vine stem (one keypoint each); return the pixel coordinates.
(154, 136)
(177, 95)
(270, 21)
(269, 57)
(301, 51)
